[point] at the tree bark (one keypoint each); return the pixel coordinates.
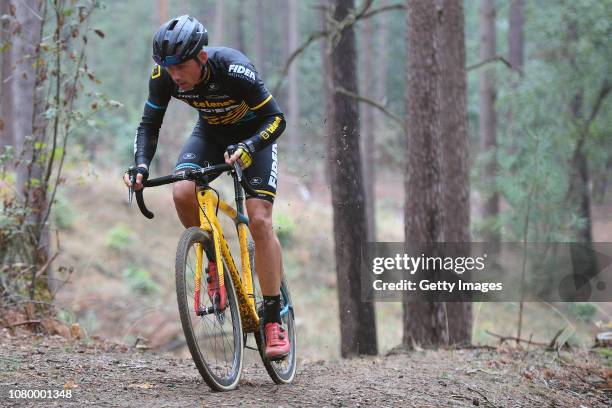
(381, 63)
(580, 178)
(162, 7)
(220, 23)
(240, 40)
(6, 87)
(20, 95)
(424, 320)
(454, 149)
(516, 60)
(22, 108)
(368, 125)
(260, 53)
(515, 36)
(293, 117)
(282, 11)
(357, 320)
(487, 121)
(328, 114)
(206, 14)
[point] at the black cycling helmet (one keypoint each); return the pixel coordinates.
(178, 40)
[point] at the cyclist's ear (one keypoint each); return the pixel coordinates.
(203, 56)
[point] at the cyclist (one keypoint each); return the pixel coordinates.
(236, 113)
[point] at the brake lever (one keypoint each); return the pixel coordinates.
(132, 175)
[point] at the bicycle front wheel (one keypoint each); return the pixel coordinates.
(213, 333)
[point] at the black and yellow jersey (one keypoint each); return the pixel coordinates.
(231, 94)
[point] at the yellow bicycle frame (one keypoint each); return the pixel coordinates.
(209, 222)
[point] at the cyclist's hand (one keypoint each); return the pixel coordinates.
(242, 154)
(142, 173)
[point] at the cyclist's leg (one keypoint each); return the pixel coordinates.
(199, 151)
(262, 176)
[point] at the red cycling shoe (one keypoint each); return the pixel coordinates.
(277, 343)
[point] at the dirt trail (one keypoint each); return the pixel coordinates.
(110, 375)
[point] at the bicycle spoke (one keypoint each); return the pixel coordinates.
(215, 343)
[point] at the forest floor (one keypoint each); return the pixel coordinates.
(105, 374)
(104, 369)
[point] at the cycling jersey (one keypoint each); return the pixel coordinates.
(230, 95)
(205, 148)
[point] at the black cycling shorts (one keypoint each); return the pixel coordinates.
(205, 147)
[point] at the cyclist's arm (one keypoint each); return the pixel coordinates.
(252, 89)
(272, 125)
(147, 134)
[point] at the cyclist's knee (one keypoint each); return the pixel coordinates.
(183, 193)
(261, 225)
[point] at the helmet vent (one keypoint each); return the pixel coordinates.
(172, 25)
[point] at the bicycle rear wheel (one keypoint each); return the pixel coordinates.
(281, 371)
(215, 336)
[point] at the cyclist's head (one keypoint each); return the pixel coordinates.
(179, 40)
(178, 46)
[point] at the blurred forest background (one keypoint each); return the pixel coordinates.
(536, 153)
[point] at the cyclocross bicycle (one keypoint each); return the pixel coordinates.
(218, 305)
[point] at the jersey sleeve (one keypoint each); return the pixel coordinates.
(145, 142)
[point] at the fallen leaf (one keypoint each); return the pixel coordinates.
(75, 331)
(70, 385)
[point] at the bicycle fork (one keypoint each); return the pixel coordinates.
(216, 285)
(215, 276)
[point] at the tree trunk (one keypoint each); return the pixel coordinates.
(454, 149)
(583, 195)
(487, 121)
(206, 14)
(357, 320)
(282, 46)
(220, 26)
(162, 7)
(6, 87)
(516, 59)
(515, 36)
(328, 114)
(368, 125)
(293, 116)
(424, 321)
(21, 96)
(580, 178)
(260, 53)
(23, 105)
(381, 63)
(3, 35)
(240, 40)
